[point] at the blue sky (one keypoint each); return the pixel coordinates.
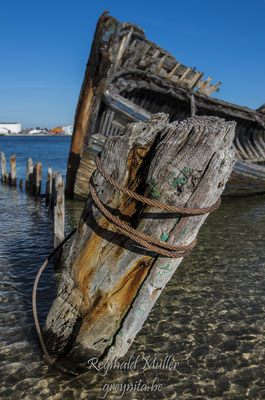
(44, 47)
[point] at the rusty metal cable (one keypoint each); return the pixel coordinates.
(142, 238)
(156, 203)
(34, 293)
(145, 240)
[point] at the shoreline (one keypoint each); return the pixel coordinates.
(42, 134)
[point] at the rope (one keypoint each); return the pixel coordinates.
(142, 238)
(147, 241)
(155, 203)
(34, 292)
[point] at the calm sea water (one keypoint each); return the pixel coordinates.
(210, 318)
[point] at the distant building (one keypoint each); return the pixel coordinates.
(35, 131)
(58, 129)
(68, 130)
(10, 127)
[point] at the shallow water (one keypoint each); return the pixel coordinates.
(209, 319)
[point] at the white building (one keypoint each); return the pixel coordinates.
(68, 130)
(35, 132)
(10, 127)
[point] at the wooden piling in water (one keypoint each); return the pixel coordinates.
(109, 283)
(3, 168)
(53, 195)
(29, 174)
(37, 177)
(13, 172)
(59, 211)
(21, 183)
(49, 186)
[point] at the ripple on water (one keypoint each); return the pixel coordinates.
(210, 317)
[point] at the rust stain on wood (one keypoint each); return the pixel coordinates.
(153, 295)
(119, 298)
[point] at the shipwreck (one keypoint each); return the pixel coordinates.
(129, 78)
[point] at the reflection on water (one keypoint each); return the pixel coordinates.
(210, 318)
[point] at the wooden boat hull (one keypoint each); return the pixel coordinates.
(132, 79)
(246, 179)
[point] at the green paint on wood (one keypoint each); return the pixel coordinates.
(155, 192)
(175, 181)
(140, 311)
(165, 267)
(164, 237)
(121, 333)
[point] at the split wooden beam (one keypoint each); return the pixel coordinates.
(109, 283)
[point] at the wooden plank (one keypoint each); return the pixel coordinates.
(160, 64)
(183, 76)
(156, 53)
(124, 43)
(172, 72)
(204, 84)
(195, 80)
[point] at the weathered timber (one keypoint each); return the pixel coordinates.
(92, 87)
(13, 171)
(54, 180)
(49, 186)
(29, 175)
(119, 49)
(37, 177)
(3, 168)
(109, 283)
(59, 216)
(21, 183)
(136, 78)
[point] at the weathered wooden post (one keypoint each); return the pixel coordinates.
(3, 168)
(21, 183)
(37, 176)
(53, 195)
(29, 175)
(49, 186)
(59, 210)
(110, 283)
(13, 172)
